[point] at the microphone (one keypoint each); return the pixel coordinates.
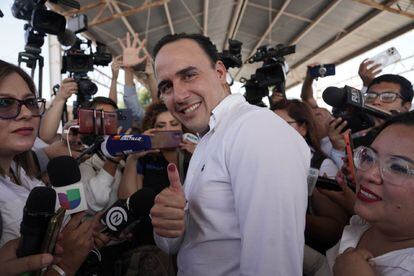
(116, 145)
(125, 212)
(351, 97)
(39, 208)
(65, 176)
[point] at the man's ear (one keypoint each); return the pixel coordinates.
(406, 106)
(221, 71)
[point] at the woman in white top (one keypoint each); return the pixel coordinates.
(380, 238)
(20, 113)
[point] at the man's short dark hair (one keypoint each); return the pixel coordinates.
(406, 88)
(203, 41)
(101, 100)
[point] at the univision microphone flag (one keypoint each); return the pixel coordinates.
(72, 198)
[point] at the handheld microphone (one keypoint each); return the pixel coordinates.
(125, 212)
(351, 97)
(116, 145)
(65, 176)
(39, 208)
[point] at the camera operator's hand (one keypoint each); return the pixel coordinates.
(131, 51)
(68, 87)
(367, 75)
(11, 265)
(336, 134)
(167, 214)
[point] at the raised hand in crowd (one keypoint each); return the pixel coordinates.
(336, 133)
(68, 87)
(12, 265)
(307, 89)
(368, 71)
(115, 66)
(353, 262)
(51, 119)
(167, 214)
(131, 51)
(344, 198)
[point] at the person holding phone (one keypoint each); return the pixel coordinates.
(380, 237)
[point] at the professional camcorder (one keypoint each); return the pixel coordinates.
(232, 57)
(40, 22)
(349, 103)
(79, 59)
(272, 73)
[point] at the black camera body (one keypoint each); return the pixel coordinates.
(272, 73)
(78, 62)
(232, 57)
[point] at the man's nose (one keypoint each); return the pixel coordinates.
(181, 92)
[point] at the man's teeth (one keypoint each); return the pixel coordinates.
(191, 108)
(368, 195)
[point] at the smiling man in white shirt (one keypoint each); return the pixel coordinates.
(242, 208)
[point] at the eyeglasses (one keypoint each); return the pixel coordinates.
(393, 169)
(385, 97)
(10, 108)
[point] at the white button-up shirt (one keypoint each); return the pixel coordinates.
(247, 196)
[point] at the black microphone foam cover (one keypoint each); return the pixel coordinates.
(63, 171)
(41, 200)
(39, 208)
(67, 38)
(141, 202)
(334, 96)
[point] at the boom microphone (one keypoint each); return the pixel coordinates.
(65, 176)
(351, 97)
(124, 212)
(39, 208)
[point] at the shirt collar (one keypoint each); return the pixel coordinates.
(223, 108)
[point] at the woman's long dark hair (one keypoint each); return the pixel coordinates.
(302, 114)
(25, 159)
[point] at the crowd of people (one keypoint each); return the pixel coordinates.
(245, 198)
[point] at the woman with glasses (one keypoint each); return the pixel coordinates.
(380, 237)
(20, 113)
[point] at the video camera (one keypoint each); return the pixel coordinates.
(40, 22)
(232, 57)
(272, 73)
(80, 59)
(349, 104)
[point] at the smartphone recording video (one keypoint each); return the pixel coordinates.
(166, 139)
(92, 121)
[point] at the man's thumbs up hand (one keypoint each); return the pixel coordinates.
(167, 214)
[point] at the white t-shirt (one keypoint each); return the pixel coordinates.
(12, 201)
